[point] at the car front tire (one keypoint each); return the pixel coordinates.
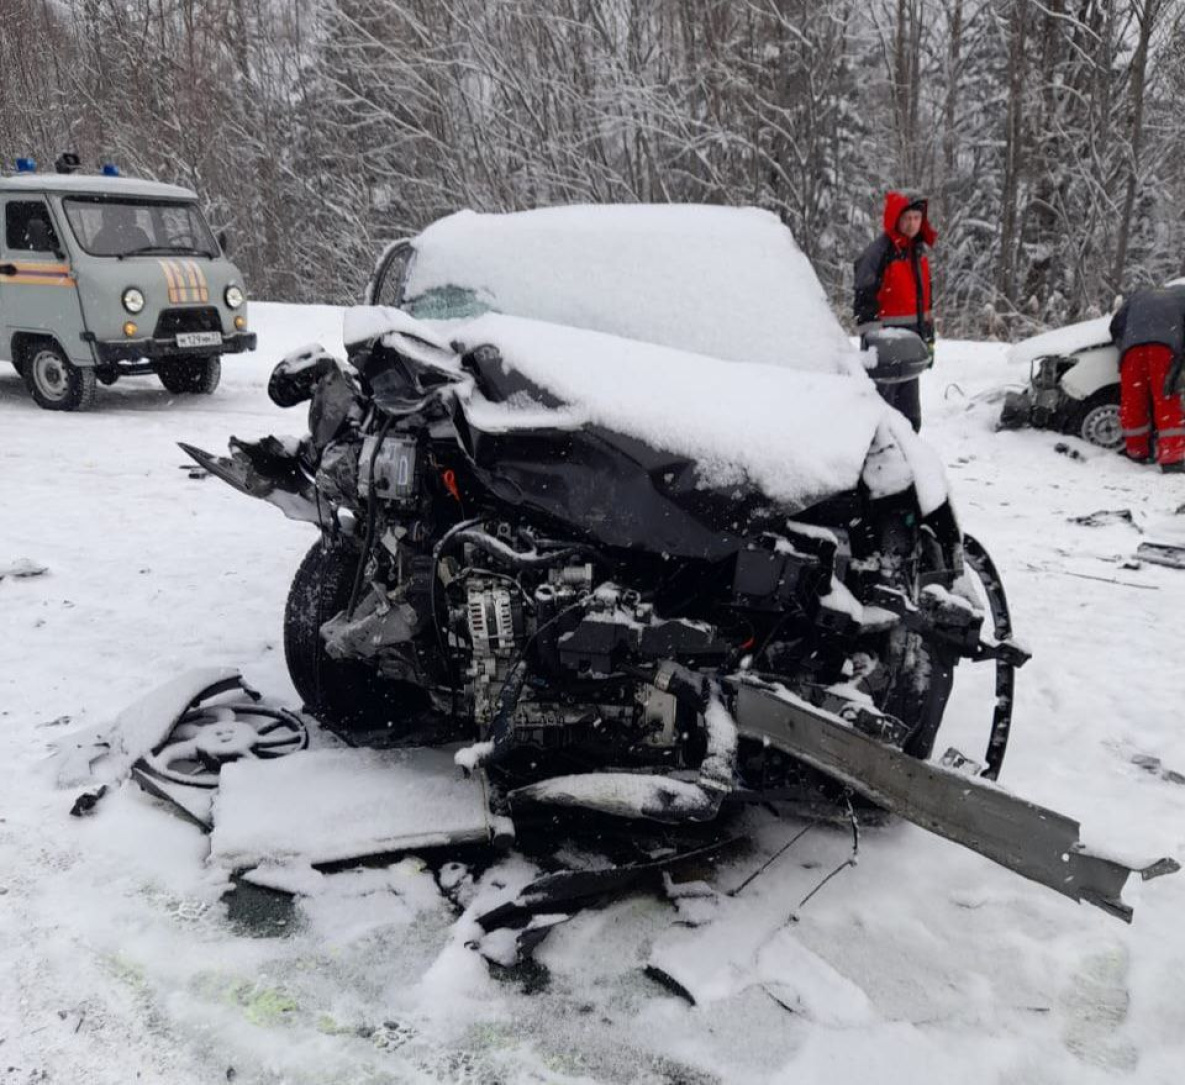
(345, 695)
(1097, 420)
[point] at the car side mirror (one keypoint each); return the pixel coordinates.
(296, 375)
(901, 355)
(223, 242)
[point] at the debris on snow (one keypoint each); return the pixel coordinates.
(23, 569)
(1106, 516)
(1162, 554)
(85, 804)
(108, 751)
(324, 806)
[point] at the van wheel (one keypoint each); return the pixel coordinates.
(54, 382)
(1097, 420)
(185, 376)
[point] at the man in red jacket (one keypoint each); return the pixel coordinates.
(893, 288)
(1149, 330)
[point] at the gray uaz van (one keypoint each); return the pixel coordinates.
(108, 276)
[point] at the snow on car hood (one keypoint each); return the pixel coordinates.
(724, 281)
(1067, 340)
(798, 437)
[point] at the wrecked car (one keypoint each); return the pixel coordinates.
(1073, 383)
(633, 526)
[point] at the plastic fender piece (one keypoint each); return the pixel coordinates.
(239, 474)
(1162, 554)
(112, 748)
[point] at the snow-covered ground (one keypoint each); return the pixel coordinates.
(924, 963)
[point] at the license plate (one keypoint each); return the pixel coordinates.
(199, 339)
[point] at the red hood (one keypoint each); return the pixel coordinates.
(895, 203)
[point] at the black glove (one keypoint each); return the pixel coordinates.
(1172, 380)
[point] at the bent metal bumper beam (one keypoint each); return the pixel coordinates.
(1035, 842)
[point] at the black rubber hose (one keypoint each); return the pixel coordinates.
(496, 548)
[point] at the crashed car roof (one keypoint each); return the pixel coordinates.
(725, 281)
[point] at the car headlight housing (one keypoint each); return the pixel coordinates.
(1049, 371)
(234, 296)
(133, 300)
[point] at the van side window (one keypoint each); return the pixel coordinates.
(27, 227)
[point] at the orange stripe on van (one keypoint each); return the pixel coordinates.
(195, 286)
(34, 273)
(203, 286)
(172, 283)
(179, 278)
(38, 266)
(37, 280)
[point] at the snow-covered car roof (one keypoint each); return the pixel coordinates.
(83, 184)
(723, 281)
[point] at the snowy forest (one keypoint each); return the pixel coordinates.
(315, 131)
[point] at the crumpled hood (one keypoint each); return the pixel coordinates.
(799, 438)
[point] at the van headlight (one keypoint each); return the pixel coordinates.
(233, 296)
(133, 300)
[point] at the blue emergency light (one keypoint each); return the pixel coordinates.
(110, 169)
(26, 165)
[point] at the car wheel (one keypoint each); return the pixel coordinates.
(1097, 420)
(190, 376)
(343, 694)
(54, 382)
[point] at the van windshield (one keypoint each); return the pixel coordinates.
(130, 227)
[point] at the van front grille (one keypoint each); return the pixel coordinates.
(173, 321)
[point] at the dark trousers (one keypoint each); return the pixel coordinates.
(906, 397)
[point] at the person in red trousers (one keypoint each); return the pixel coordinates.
(1149, 330)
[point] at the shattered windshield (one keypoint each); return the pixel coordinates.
(129, 227)
(447, 303)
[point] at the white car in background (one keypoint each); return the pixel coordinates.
(1073, 382)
